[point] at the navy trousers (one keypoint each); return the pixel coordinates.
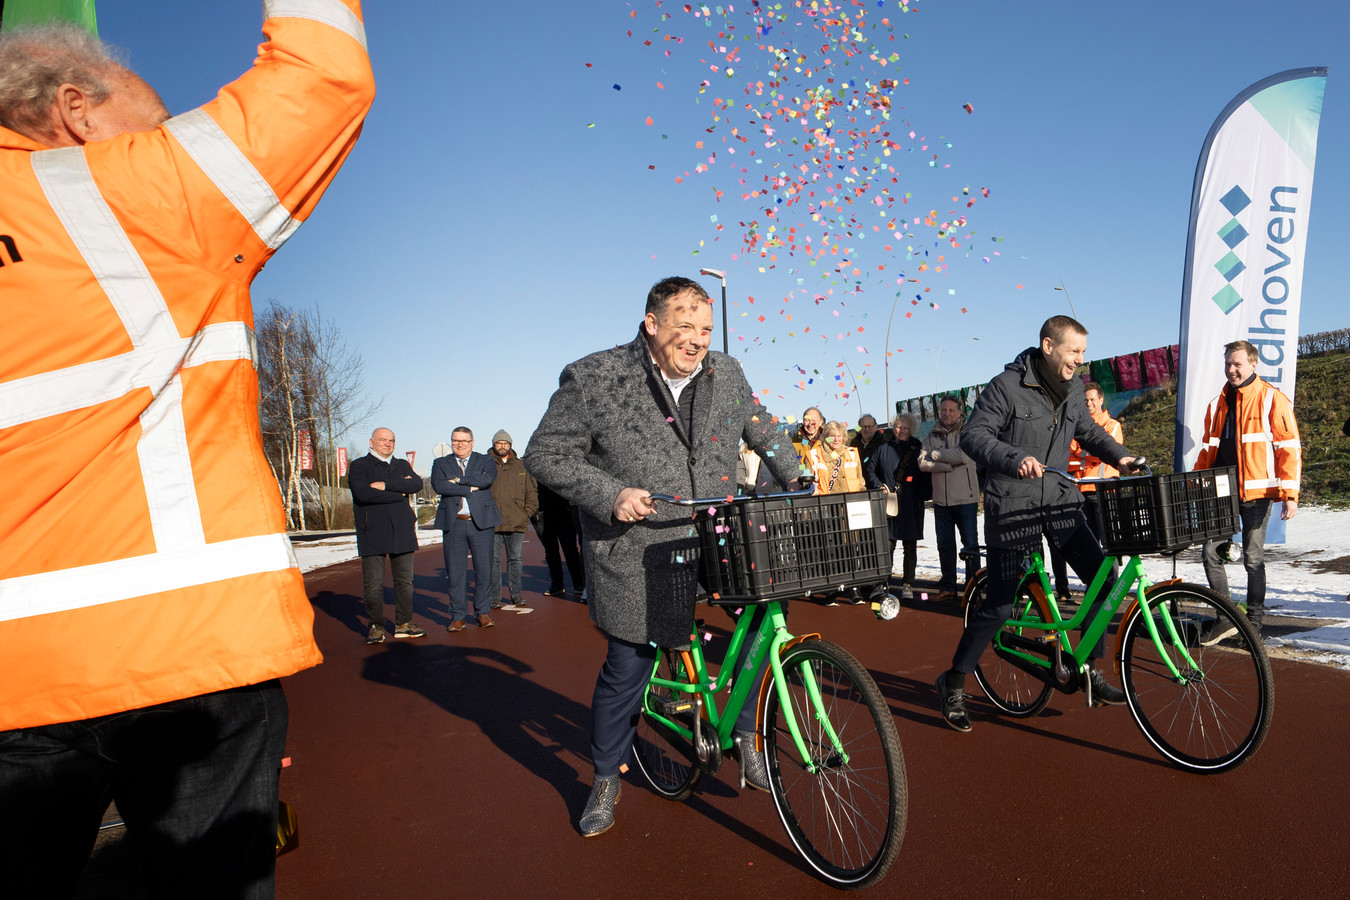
(1083, 554)
(460, 539)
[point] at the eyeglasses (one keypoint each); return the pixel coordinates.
(470, 441)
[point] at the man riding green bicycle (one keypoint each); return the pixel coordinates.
(1025, 420)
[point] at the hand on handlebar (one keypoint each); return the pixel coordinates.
(633, 504)
(1030, 467)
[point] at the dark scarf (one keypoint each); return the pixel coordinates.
(1228, 438)
(1055, 388)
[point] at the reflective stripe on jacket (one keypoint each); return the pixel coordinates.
(837, 475)
(1270, 457)
(143, 553)
(1083, 464)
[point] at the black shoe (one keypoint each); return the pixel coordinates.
(952, 705)
(1103, 691)
(554, 591)
(1217, 631)
(599, 814)
(754, 773)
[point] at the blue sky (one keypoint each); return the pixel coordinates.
(506, 208)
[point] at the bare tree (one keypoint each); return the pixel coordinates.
(310, 380)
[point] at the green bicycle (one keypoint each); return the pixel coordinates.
(1205, 707)
(836, 770)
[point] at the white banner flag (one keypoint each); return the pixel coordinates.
(1245, 249)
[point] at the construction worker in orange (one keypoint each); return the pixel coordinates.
(139, 656)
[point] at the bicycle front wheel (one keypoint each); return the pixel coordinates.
(664, 757)
(844, 808)
(1216, 715)
(1013, 691)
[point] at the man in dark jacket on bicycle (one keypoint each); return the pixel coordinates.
(1025, 420)
(658, 415)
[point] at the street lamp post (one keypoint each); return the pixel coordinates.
(723, 276)
(1067, 297)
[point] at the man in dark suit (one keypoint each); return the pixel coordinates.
(385, 526)
(469, 519)
(660, 414)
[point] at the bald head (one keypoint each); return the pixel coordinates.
(382, 442)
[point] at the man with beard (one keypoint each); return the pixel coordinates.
(517, 500)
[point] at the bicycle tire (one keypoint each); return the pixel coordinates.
(663, 757)
(1219, 717)
(1013, 691)
(848, 818)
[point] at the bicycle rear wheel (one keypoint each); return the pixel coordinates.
(664, 757)
(847, 818)
(1216, 717)
(1013, 691)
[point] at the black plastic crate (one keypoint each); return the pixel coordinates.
(1168, 512)
(772, 549)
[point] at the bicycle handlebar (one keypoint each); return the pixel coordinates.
(1139, 463)
(726, 499)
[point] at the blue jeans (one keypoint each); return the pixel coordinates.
(947, 520)
(1255, 516)
(195, 780)
(514, 542)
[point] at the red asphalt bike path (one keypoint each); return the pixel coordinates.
(458, 764)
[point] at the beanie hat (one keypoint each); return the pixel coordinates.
(502, 436)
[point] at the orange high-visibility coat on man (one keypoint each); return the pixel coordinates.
(1083, 464)
(143, 554)
(1270, 455)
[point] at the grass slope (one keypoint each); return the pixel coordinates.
(1321, 405)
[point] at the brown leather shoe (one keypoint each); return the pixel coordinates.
(457, 625)
(485, 622)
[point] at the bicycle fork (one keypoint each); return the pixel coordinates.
(838, 756)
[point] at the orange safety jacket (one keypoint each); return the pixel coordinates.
(836, 476)
(1083, 464)
(143, 553)
(1270, 456)
(1269, 452)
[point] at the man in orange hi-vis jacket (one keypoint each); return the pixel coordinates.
(140, 660)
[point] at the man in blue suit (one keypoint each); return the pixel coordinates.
(468, 518)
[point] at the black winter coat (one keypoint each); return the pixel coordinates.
(1013, 419)
(897, 467)
(384, 521)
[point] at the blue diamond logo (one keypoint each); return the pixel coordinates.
(1233, 233)
(1235, 201)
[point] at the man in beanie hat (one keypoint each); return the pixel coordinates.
(517, 499)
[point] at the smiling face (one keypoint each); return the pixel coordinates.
(679, 340)
(948, 412)
(1238, 367)
(461, 444)
(812, 422)
(901, 430)
(1094, 402)
(835, 437)
(867, 427)
(1063, 357)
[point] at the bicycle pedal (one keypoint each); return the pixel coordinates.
(670, 707)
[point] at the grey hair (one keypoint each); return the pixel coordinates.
(34, 62)
(911, 421)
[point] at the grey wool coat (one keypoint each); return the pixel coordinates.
(1013, 419)
(613, 424)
